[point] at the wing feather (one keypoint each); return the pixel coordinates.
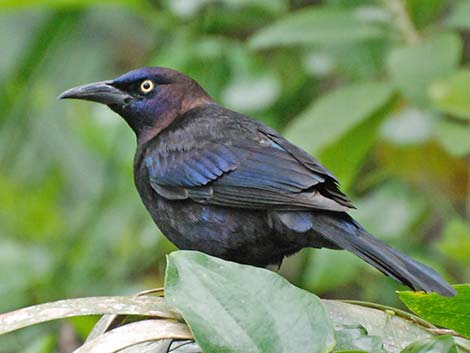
(216, 156)
(252, 175)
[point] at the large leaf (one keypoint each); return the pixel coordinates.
(452, 313)
(442, 344)
(236, 308)
(333, 115)
(452, 95)
(317, 25)
(413, 69)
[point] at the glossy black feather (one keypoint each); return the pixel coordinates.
(244, 167)
(217, 181)
(220, 162)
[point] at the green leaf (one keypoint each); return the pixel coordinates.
(333, 115)
(456, 242)
(414, 68)
(452, 313)
(237, 308)
(355, 337)
(345, 156)
(316, 25)
(452, 95)
(455, 137)
(442, 344)
(459, 16)
(422, 13)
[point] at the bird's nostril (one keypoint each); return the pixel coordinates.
(126, 101)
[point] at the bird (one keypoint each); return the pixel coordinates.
(219, 182)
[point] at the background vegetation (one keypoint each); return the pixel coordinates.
(377, 90)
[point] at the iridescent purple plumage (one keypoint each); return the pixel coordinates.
(217, 181)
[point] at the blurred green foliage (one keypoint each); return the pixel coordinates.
(378, 90)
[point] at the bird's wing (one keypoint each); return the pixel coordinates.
(268, 172)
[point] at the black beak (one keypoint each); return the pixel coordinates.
(100, 92)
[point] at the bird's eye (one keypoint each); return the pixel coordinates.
(147, 86)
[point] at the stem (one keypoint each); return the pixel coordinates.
(403, 21)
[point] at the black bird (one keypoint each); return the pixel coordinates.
(219, 182)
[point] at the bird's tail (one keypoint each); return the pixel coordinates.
(349, 235)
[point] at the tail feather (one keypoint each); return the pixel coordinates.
(349, 235)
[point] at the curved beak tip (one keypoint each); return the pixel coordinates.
(64, 95)
(101, 92)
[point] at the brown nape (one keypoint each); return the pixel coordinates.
(194, 97)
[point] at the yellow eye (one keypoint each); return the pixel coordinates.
(147, 86)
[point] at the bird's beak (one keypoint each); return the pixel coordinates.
(100, 92)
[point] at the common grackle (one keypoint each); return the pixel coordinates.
(219, 182)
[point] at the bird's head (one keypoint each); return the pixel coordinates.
(149, 99)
